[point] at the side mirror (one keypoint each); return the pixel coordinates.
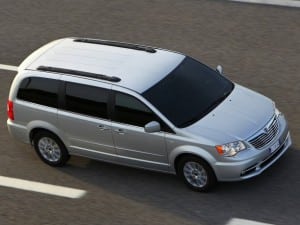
(219, 69)
(152, 127)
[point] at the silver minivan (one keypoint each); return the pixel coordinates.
(143, 107)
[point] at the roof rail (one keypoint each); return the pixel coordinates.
(116, 44)
(79, 73)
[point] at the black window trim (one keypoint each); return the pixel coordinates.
(61, 95)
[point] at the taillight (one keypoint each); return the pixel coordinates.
(10, 110)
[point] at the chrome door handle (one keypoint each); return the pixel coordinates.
(103, 128)
(119, 131)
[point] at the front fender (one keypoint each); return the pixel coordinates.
(193, 150)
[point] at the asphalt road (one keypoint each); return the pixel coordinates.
(258, 47)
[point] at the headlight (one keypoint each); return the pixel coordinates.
(231, 149)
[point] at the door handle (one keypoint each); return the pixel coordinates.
(119, 131)
(103, 127)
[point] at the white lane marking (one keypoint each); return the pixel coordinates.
(41, 187)
(8, 67)
(290, 3)
(236, 221)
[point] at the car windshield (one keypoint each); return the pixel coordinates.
(189, 92)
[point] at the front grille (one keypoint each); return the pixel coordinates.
(266, 135)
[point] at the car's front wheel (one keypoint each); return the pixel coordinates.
(50, 148)
(196, 173)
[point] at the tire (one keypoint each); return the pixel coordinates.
(50, 149)
(196, 173)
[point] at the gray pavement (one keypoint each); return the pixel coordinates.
(258, 46)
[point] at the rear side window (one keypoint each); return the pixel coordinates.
(87, 100)
(38, 90)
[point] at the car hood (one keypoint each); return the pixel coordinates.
(238, 117)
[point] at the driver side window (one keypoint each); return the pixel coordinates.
(131, 111)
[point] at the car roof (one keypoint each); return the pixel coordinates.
(137, 68)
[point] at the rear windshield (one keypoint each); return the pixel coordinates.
(189, 92)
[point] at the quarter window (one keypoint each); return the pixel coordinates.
(38, 90)
(87, 100)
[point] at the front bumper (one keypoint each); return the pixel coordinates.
(254, 162)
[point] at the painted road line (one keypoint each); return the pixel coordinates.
(290, 3)
(8, 67)
(41, 187)
(236, 221)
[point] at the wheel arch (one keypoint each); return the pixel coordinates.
(37, 126)
(185, 151)
(36, 130)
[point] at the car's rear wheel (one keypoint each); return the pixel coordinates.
(50, 149)
(196, 173)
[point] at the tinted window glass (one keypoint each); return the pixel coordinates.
(189, 92)
(87, 100)
(39, 90)
(131, 111)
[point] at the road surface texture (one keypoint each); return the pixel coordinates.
(258, 47)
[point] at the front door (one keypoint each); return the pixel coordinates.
(133, 145)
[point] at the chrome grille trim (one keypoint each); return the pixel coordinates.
(266, 135)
